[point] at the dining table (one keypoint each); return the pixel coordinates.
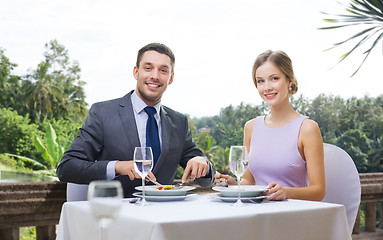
(205, 216)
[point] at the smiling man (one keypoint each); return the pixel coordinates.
(104, 148)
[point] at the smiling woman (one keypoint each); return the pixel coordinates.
(297, 138)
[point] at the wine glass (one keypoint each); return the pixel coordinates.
(105, 199)
(238, 163)
(143, 164)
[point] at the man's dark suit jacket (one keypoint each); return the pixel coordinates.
(110, 133)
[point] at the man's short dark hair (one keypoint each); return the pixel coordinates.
(158, 47)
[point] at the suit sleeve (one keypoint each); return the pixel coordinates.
(79, 163)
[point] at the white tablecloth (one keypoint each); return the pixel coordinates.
(203, 217)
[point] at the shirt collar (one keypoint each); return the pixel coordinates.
(139, 105)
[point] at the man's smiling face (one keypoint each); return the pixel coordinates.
(153, 76)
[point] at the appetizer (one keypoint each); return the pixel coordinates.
(164, 188)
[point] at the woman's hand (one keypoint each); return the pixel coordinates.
(276, 192)
(226, 178)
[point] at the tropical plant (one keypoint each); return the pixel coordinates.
(28, 162)
(44, 93)
(54, 89)
(51, 150)
(368, 13)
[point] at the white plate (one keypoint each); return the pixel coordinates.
(164, 198)
(234, 199)
(246, 190)
(152, 191)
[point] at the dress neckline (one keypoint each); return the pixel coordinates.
(295, 119)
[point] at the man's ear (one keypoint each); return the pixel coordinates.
(171, 79)
(135, 72)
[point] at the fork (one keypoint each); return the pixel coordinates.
(155, 182)
(179, 185)
(223, 183)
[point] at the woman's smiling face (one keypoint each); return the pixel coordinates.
(272, 84)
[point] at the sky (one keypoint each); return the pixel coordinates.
(215, 43)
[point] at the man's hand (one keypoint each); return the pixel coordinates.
(226, 178)
(127, 168)
(195, 168)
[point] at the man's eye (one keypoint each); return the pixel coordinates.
(164, 70)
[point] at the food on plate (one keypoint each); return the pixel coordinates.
(164, 188)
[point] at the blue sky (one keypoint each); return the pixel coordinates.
(215, 43)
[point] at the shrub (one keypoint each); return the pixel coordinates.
(17, 134)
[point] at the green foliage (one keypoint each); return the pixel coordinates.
(356, 144)
(20, 138)
(16, 133)
(9, 163)
(52, 94)
(65, 129)
(228, 126)
(54, 90)
(27, 163)
(179, 172)
(51, 149)
(28, 233)
(9, 83)
(215, 153)
(220, 158)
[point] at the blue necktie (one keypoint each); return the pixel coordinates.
(152, 138)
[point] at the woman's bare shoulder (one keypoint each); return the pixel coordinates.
(309, 126)
(310, 132)
(249, 124)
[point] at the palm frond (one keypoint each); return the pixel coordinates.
(368, 52)
(371, 7)
(365, 11)
(338, 26)
(360, 12)
(353, 37)
(355, 47)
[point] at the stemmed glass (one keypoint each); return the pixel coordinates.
(105, 199)
(238, 163)
(143, 164)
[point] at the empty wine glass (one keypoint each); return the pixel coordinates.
(143, 164)
(238, 163)
(105, 198)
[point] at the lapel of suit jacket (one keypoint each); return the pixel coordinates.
(128, 121)
(166, 128)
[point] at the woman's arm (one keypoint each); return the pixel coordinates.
(310, 146)
(248, 178)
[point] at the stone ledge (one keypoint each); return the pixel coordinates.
(27, 220)
(31, 204)
(30, 186)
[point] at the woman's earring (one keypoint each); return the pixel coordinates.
(291, 88)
